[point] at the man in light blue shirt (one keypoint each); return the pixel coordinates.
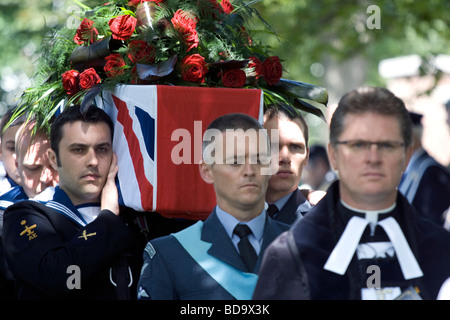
(219, 258)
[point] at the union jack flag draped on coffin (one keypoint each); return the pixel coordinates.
(158, 135)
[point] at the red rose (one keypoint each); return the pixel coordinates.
(272, 70)
(140, 50)
(70, 82)
(86, 33)
(185, 25)
(89, 78)
(227, 6)
(234, 78)
(114, 65)
(193, 68)
(122, 27)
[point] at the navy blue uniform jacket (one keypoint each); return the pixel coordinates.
(288, 214)
(282, 276)
(170, 273)
(40, 244)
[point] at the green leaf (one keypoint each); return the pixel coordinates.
(302, 90)
(304, 106)
(85, 7)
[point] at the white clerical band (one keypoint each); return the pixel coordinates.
(408, 262)
(342, 254)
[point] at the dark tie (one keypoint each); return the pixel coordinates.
(246, 249)
(272, 210)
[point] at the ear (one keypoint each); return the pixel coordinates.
(14, 155)
(52, 159)
(206, 172)
(307, 157)
(332, 156)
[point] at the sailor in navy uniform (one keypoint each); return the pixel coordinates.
(75, 246)
(426, 182)
(36, 176)
(42, 239)
(7, 199)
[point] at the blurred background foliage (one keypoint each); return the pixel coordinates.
(333, 31)
(323, 42)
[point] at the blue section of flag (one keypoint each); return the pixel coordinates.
(147, 124)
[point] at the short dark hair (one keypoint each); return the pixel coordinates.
(370, 99)
(72, 114)
(289, 112)
(233, 121)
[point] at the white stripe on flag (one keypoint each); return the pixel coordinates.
(133, 96)
(261, 108)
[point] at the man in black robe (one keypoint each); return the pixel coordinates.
(363, 240)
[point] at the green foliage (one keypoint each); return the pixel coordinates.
(311, 30)
(225, 40)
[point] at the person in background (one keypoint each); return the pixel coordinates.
(10, 178)
(317, 174)
(33, 166)
(32, 160)
(287, 202)
(425, 183)
(35, 175)
(363, 240)
(219, 258)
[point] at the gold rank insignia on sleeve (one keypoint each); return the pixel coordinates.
(28, 231)
(85, 235)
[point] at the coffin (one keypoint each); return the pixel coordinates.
(158, 137)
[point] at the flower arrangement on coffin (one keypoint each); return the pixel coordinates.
(206, 43)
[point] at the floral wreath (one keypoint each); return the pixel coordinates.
(175, 42)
